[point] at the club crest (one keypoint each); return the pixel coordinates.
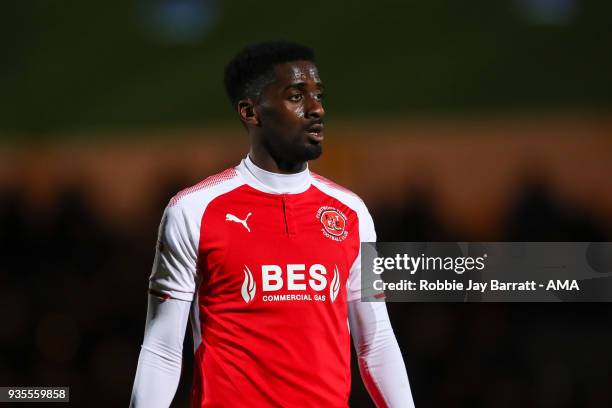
(334, 223)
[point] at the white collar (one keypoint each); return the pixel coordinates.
(274, 182)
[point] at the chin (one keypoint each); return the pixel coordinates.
(312, 152)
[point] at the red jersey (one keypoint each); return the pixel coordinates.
(269, 271)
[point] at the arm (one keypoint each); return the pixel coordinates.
(159, 364)
(172, 285)
(380, 359)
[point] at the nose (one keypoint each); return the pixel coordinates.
(314, 108)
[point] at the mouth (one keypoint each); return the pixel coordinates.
(315, 133)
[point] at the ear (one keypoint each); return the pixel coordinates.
(247, 112)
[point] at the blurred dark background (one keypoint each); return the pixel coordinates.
(488, 121)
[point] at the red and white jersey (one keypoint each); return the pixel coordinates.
(269, 262)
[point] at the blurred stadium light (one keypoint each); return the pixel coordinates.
(178, 22)
(548, 12)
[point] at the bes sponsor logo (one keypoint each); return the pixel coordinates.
(334, 223)
(248, 285)
(297, 281)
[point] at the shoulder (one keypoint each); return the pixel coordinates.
(183, 215)
(194, 200)
(207, 189)
(186, 208)
(351, 200)
(340, 193)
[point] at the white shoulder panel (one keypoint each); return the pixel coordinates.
(175, 266)
(367, 233)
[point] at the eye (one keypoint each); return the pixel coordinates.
(319, 96)
(295, 97)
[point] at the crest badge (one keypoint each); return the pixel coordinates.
(333, 222)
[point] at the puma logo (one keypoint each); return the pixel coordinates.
(233, 218)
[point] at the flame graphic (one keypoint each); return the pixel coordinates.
(335, 285)
(248, 286)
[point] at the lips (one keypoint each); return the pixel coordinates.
(315, 132)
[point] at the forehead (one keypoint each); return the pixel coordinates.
(296, 72)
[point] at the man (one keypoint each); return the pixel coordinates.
(267, 257)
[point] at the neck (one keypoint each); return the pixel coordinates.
(264, 160)
(272, 182)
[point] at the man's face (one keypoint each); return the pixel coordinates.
(291, 113)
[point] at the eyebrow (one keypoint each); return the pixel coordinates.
(302, 85)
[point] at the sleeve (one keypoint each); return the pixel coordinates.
(159, 363)
(367, 233)
(174, 272)
(380, 360)
(171, 285)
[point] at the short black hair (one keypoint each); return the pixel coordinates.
(250, 70)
